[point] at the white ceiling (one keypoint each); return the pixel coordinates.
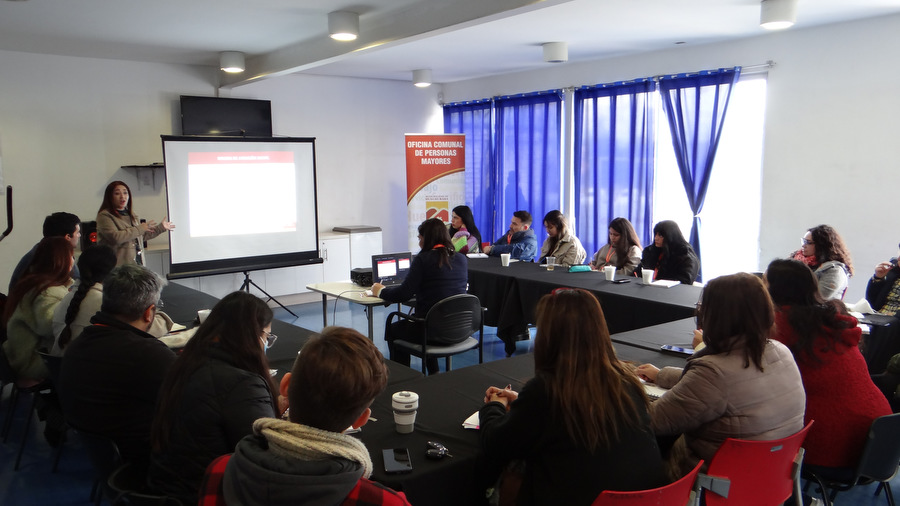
(458, 39)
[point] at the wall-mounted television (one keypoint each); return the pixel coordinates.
(234, 117)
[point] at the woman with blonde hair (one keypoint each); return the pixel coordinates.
(581, 425)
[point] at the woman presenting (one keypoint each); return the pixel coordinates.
(119, 228)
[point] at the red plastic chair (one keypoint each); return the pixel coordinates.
(674, 494)
(754, 473)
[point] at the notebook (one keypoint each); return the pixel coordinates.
(391, 269)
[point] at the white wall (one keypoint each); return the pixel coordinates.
(68, 124)
(831, 127)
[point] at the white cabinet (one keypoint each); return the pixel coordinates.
(334, 249)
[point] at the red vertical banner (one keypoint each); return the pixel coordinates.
(435, 178)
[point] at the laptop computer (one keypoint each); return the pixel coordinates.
(390, 269)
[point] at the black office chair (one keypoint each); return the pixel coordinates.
(105, 458)
(128, 487)
(879, 462)
(8, 376)
(449, 326)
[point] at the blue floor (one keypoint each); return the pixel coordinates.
(34, 484)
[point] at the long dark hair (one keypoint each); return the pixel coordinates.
(558, 220)
(435, 237)
(109, 205)
(627, 238)
(234, 326)
(93, 265)
(51, 265)
(587, 384)
(830, 246)
(674, 242)
(465, 214)
(737, 312)
(795, 291)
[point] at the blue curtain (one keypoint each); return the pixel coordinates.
(695, 106)
(474, 119)
(614, 143)
(527, 147)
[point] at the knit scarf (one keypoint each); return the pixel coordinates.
(293, 440)
(808, 260)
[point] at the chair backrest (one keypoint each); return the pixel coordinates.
(54, 365)
(881, 452)
(674, 494)
(103, 453)
(760, 472)
(453, 319)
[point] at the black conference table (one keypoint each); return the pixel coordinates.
(445, 401)
(182, 303)
(511, 294)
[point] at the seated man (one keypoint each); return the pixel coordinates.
(520, 241)
(111, 374)
(307, 460)
(56, 225)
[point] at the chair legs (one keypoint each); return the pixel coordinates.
(7, 423)
(27, 429)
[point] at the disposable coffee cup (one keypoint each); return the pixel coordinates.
(504, 259)
(647, 276)
(551, 263)
(610, 271)
(202, 314)
(405, 405)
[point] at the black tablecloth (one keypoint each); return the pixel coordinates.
(511, 294)
(445, 400)
(676, 333)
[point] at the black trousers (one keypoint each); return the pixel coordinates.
(407, 330)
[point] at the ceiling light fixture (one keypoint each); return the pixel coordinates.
(422, 78)
(777, 14)
(231, 61)
(343, 25)
(555, 52)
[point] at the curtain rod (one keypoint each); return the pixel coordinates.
(745, 70)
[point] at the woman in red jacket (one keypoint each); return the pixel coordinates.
(824, 339)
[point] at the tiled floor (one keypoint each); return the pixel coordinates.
(35, 485)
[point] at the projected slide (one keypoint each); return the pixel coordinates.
(241, 204)
(263, 177)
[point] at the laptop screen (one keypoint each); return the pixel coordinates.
(391, 268)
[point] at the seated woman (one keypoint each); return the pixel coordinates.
(76, 309)
(823, 250)
(883, 290)
(560, 242)
(463, 233)
(212, 395)
(29, 310)
(623, 249)
(581, 424)
(670, 256)
(742, 384)
(824, 339)
(436, 273)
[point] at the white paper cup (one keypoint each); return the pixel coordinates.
(405, 405)
(647, 276)
(610, 271)
(504, 259)
(551, 263)
(202, 314)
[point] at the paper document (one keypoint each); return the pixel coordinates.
(473, 422)
(653, 391)
(665, 283)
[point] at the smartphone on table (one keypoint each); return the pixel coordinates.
(396, 460)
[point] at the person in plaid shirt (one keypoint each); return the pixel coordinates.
(307, 460)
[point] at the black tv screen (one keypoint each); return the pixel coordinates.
(235, 117)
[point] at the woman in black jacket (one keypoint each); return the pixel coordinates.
(670, 256)
(212, 395)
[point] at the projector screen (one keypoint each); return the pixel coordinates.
(240, 204)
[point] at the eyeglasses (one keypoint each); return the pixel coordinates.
(806, 242)
(160, 304)
(698, 315)
(270, 339)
